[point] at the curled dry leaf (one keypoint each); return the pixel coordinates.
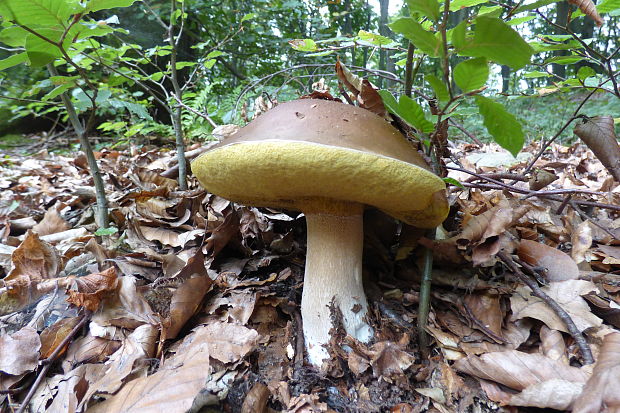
(367, 96)
(228, 342)
(567, 294)
(51, 223)
(256, 399)
(172, 389)
(589, 9)
(558, 265)
(581, 240)
(93, 288)
(525, 372)
(19, 352)
(599, 135)
(52, 336)
(600, 393)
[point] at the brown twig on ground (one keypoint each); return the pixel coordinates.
(299, 340)
(47, 363)
(561, 313)
(546, 194)
(585, 216)
(499, 175)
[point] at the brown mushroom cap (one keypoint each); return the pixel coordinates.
(306, 153)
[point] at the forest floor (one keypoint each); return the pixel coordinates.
(192, 303)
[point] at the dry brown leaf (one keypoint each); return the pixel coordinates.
(567, 294)
(126, 309)
(552, 344)
(367, 96)
(581, 240)
(19, 352)
(221, 235)
(559, 266)
(600, 393)
(485, 309)
(589, 9)
(171, 389)
(185, 301)
(256, 399)
(89, 349)
(93, 288)
(389, 360)
(555, 394)
(33, 260)
(608, 310)
(125, 362)
(51, 223)
(518, 370)
(599, 132)
(228, 342)
(52, 336)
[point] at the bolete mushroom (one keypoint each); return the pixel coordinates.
(328, 160)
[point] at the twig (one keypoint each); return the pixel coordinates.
(425, 297)
(498, 175)
(466, 132)
(559, 311)
(194, 111)
(47, 363)
(585, 216)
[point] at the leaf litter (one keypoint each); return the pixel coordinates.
(194, 301)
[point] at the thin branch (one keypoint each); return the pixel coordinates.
(559, 311)
(195, 112)
(47, 363)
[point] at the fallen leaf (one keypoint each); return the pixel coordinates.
(19, 352)
(600, 393)
(567, 294)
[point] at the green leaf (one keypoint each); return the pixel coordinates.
(210, 63)
(96, 5)
(533, 6)
(39, 12)
(428, 8)
(13, 36)
(389, 101)
(373, 38)
(585, 72)
(303, 45)
(181, 65)
(461, 4)
(13, 60)
(422, 39)
(534, 74)
(498, 42)
(457, 35)
(57, 91)
(607, 6)
(564, 60)
(106, 231)
(408, 110)
(440, 89)
(214, 53)
(494, 11)
(452, 181)
(520, 20)
(41, 52)
(247, 17)
(502, 125)
(412, 113)
(471, 74)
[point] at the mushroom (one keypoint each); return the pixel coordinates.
(328, 160)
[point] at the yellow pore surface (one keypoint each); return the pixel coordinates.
(301, 175)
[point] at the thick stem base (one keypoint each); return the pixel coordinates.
(333, 274)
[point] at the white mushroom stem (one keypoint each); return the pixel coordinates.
(333, 274)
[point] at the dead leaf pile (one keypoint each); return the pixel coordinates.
(194, 301)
